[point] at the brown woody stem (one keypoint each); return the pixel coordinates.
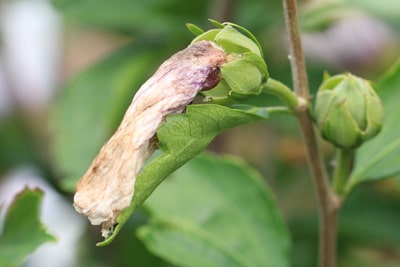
(328, 202)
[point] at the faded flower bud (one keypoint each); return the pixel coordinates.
(245, 70)
(107, 186)
(348, 111)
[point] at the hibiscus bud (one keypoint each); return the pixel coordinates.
(348, 111)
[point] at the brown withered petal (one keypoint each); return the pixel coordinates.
(107, 186)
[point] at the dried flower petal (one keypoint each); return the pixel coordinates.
(107, 186)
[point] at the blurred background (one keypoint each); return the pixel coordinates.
(58, 58)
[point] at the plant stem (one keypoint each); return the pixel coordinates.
(277, 88)
(279, 110)
(300, 82)
(328, 202)
(341, 172)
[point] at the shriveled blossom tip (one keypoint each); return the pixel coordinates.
(107, 187)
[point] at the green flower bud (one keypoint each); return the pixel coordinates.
(348, 112)
(245, 71)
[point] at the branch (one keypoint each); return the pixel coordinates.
(328, 203)
(297, 62)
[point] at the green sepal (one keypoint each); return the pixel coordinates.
(196, 30)
(234, 42)
(374, 119)
(248, 33)
(207, 36)
(343, 132)
(216, 23)
(242, 78)
(251, 76)
(229, 38)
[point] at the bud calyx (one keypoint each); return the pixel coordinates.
(245, 71)
(348, 111)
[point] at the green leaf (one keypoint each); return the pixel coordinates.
(379, 158)
(375, 226)
(319, 16)
(142, 17)
(182, 137)
(388, 10)
(216, 211)
(92, 105)
(23, 232)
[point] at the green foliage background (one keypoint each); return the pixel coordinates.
(257, 214)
